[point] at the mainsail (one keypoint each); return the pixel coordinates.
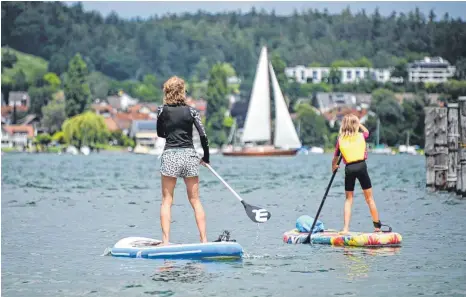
(257, 124)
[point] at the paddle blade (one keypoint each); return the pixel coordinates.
(256, 214)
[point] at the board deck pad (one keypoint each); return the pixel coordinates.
(149, 248)
(334, 237)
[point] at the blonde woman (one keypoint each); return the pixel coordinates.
(175, 120)
(351, 144)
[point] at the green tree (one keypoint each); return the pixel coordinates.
(9, 59)
(40, 97)
(363, 62)
(99, 85)
(148, 90)
(59, 137)
(217, 103)
(53, 115)
(121, 139)
(460, 72)
(313, 127)
(413, 113)
(43, 139)
(77, 91)
(52, 80)
(390, 113)
(87, 128)
(19, 81)
(342, 63)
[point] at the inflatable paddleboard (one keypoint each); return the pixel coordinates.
(333, 237)
(142, 247)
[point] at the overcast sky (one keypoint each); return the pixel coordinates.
(129, 9)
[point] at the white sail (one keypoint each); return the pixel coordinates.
(257, 124)
(285, 132)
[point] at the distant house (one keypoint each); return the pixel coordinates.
(199, 104)
(104, 109)
(304, 74)
(111, 125)
(144, 108)
(430, 70)
(125, 120)
(122, 101)
(328, 101)
(336, 115)
(17, 135)
(144, 132)
(19, 99)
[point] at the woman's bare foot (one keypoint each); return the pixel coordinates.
(344, 231)
(377, 230)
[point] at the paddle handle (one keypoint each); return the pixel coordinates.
(323, 200)
(224, 182)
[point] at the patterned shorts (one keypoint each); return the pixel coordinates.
(183, 162)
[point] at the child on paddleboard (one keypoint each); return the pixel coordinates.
(351, 144)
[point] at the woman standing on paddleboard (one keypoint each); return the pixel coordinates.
(352, 145)
(175, 120)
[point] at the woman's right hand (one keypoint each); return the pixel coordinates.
(203, 163)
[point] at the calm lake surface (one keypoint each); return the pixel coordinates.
(60, 213)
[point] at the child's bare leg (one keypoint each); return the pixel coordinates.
(347, 211)
(371, 203)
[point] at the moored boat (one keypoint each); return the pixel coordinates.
(256, 139)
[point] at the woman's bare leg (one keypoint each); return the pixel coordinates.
(192, 187)
(347, 211)
(168, 187)
(371, 203)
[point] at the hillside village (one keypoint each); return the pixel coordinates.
(137, 119)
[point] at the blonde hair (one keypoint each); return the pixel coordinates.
(349, 125)
(174, 91)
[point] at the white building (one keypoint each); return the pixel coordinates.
(304, 74)
(431, 70)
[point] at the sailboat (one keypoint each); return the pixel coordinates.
(256, 139)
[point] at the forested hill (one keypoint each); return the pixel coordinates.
(189, 44)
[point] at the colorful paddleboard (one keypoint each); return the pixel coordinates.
(333, 237)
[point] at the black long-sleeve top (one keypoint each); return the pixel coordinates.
(175, 124)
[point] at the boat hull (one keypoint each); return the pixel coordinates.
(260, 153)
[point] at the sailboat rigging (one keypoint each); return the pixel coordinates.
(257, 138)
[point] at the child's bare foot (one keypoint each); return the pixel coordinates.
(344, 231)
(377, 230)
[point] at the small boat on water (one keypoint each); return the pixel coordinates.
(256, 139)
(316, 150)
(85, 150)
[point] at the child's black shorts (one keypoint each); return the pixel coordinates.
(357, 170)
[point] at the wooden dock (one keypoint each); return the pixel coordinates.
(445, 147)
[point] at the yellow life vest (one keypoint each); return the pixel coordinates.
(352, 148)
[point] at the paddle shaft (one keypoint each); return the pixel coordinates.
(224, 182)
(308, 239)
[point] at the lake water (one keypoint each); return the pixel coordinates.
(60, 212)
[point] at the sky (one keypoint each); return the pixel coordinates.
(144, 9)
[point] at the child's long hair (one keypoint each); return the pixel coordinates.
(349, 125)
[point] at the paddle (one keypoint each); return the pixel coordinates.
(256, 214)
(308, 238)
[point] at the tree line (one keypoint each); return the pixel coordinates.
(190, 44)
(91, 56)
